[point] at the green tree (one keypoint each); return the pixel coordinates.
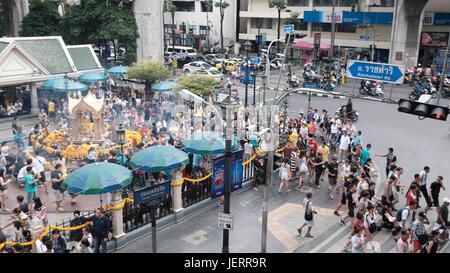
(279, 5)
(170, 7)
(293, 19)
(43, 19)
(222, 5)
(95, 21)
(208, 5)
(200, 85)
(149, 72)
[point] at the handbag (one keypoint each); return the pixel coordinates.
(308, 216)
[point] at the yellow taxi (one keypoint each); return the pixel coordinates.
(230, 65)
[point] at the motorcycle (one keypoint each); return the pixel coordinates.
(341, 113)
(294, 83)
(445, 92)
(276, 64)
(424, 87)
(371, 88)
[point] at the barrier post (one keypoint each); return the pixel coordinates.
(117, 215)
(176, 191)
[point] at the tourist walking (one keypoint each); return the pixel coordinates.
(309, 215)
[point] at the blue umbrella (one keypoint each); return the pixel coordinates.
(159, 158)
(64, 85)
(205, 143)
(92, 77)
(118, 70)
(97, 178)
(164, 86)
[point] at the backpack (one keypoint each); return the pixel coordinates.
(399, 214)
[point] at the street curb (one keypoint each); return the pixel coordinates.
(335, 95)
(169, 220)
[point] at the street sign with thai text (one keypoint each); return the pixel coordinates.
(388, 73)
(151, 193)
(288, 28)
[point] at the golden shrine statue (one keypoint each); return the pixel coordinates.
(87, 114)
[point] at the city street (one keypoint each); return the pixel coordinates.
(416, 143)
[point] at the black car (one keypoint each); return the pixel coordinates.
(188, 59)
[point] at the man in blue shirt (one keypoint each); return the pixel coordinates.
(365, 154)
(30, 184)
(357, 140)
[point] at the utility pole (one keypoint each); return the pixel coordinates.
(373, 44)
(394, 28)
(333, 28)
(269, 161)
(443, 71)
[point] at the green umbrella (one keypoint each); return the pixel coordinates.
(205, 143)
(97, 178)
(159, 158)
(92, 77)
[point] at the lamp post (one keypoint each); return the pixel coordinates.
(228, 105)
(120, 132)
(247, 48)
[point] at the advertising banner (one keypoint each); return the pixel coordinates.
(218, 176)
(322, 16)
(436, 39)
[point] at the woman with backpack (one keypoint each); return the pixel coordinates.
(419, 236)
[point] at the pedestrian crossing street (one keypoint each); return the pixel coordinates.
(383, 241)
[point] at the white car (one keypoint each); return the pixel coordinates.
(213, 73)
(193, 67)
(216, 57)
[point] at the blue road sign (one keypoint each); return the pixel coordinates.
(151, 193)
(288, 28)
(388, 73)
(364, 37)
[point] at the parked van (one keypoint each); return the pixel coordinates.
(182, 51)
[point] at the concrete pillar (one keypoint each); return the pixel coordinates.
(34, 98)
(117, 215)
(408, 24)
(149, 19)
(176, 192)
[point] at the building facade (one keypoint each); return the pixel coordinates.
(196, 26)
(360, 25)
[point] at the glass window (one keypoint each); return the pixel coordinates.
(298, 3)
(300, 25)
(192, 29)
(326, 27)
(339, 3)
(188, 6)
(204, 9)
(204, 30)
(264, 23)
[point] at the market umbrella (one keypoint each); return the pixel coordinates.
(118, 70)
(204, 143)
(97, 178)
(64, 85)
(92, 77)
(159, 158)
(164, 86)
(302, 44)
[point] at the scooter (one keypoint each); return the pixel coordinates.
(371, 88)
(445, 88)
(294, 82)
(424, 87)
(341, 113)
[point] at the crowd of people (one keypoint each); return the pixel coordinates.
(323, 148)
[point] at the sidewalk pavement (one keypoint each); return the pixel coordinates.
(199, 233)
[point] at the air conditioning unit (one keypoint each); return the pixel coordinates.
(355, 7)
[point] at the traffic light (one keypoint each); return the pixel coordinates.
(293, 37)
(424, 110)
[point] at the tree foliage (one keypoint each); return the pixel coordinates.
(43, 19)
(149, 71)
(293, 19)
(278, 4)
(94, 20)
(198, 84)
(169, 6)
(222, 5)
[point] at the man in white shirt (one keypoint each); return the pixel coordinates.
(343, 146)
(423, 187)
(408, 214)
(38, 165)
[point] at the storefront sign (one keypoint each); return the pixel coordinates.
(151, 193)
(436, 39)
(373, 18)
(321, 16)
(428, 19)
(218, 177)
